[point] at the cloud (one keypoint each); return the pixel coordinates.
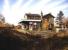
(15, 13)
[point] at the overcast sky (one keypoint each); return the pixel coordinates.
(14, 10)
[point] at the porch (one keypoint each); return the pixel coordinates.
(31, 24)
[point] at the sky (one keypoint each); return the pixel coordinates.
(14, 10)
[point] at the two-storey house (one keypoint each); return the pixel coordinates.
(36, 21)
(32, 21)
(48, 22)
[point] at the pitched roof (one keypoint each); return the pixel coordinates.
(34, 15)
(48, 15)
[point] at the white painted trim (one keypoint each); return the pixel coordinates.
(32, 20)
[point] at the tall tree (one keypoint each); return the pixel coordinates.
(60, 18)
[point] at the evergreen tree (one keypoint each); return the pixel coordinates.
(60, 18)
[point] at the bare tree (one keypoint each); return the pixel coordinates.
(66, 22)
(2, 18)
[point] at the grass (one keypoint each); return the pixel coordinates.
(15, 40)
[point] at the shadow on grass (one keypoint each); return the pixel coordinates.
(14, 40)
